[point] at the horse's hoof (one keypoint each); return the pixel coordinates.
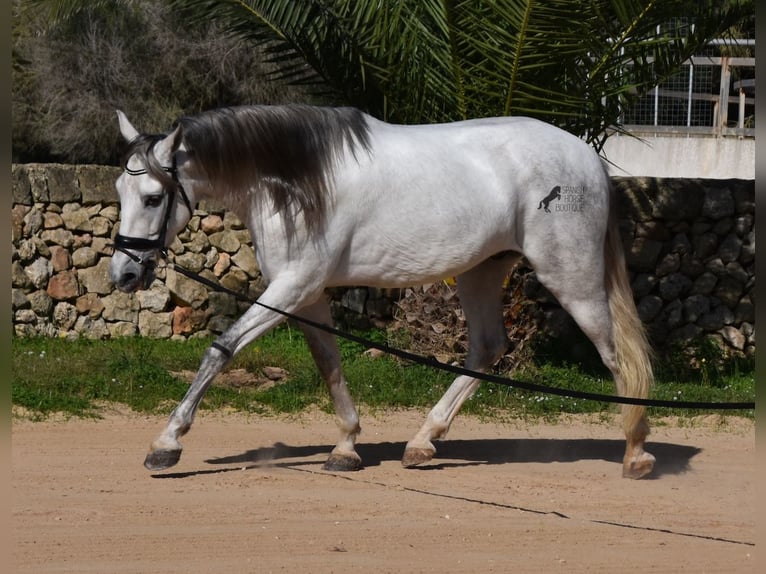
(638, 467)
(342, 463)
(414, 456)
(162, 459)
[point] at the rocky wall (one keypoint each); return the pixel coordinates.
(64, 218)
(690, 248)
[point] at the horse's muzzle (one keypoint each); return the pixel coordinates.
(129, 275)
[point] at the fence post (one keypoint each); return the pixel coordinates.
(690, 94)
(723, 96)
(741, 118)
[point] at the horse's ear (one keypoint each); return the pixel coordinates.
(167, 146)
(126, 128)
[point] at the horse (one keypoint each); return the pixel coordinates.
(332, 197)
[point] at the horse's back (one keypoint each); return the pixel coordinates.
(503, 165)
(510, 157)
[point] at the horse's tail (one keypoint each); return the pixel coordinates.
(632, 349)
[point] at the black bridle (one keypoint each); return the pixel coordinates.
(125, 243)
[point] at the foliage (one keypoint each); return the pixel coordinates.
(70, 75)
(52, 375)
(77, 377)
(575, 63)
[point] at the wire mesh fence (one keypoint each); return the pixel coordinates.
(715, 90)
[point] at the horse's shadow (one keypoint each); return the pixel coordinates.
(671, 458)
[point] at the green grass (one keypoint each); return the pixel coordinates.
(76, 377)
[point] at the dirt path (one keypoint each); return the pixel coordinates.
(250, 496)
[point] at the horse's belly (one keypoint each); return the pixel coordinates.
(414, 255)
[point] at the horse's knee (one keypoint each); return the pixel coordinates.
(488, 352)
(499, 349)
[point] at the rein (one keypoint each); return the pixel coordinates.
(125, 243)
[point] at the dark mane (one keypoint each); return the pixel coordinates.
(288, 151)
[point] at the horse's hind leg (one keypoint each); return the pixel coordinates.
(480, 293)
(580, 289)
(324, 349)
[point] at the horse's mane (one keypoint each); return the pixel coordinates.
(287, 151)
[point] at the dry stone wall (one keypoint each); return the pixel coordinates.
(690, 248)
(64, 219)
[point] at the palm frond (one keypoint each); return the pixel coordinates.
(576, 63)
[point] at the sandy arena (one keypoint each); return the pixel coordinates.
(250, 495)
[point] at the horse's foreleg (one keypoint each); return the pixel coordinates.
(165, 451)
(480, 293)
(324, 349)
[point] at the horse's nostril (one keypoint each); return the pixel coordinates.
(128, 282)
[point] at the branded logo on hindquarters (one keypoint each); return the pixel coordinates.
(555, 193)
(567, 198)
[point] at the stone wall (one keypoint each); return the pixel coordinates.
(64, 218)
(690, 247)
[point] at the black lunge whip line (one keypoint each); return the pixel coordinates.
(455, 369)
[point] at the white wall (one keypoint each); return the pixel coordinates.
(681, 156)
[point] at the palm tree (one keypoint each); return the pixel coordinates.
(575, 63)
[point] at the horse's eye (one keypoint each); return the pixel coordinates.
(153, 201)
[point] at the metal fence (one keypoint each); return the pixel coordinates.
(714, 94)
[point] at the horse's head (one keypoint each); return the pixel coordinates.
(154, 206)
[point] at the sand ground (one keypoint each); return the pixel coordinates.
(250, 495)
